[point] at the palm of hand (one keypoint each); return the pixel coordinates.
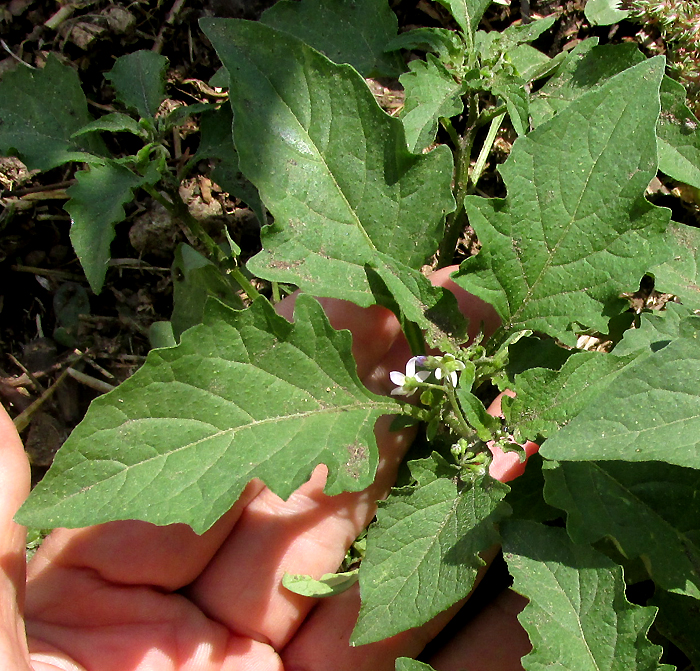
(129, 596)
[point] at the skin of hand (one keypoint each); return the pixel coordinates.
(131, 596)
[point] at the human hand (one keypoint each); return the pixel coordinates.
(127, 596)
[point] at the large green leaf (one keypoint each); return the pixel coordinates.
(96, 204)
(431, 93)
(575, 230)
(467, 13)
(680, 275)
(547, 399)
(652, 510)
(347, 32)
(245, 395)
(578, 618)
(333, 169)
(39, 112)
(422, 553)
(651, 412)
(139, 81)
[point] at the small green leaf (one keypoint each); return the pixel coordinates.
(195, 278)
(467, 13)
(96, 204)
(139, 81)
(406, 664)
(651, 413)
(475, 413)
(652, 510)
(328, 584)
(346, 32)
(578, 618)
(114, 123)
(41, 134)
(604, 12)
(180, 439)
(447, 44)
(422, 553)
(531, 64)
(494, 44)
(547, 399)
(575, 230)
(680, 275)
(658, 329)
(679, 135)
(517, 100)
(431, 93)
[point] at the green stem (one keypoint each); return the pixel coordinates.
(455, 221)
(179, 209)
(486, 149)
(244, 283)
(465, 429)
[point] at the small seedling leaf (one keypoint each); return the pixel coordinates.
(139, 81)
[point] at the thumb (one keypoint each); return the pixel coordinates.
(14, 487)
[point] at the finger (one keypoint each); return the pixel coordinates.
(307, 534)
(326, 636)
(14, 488)
(506, 466)
(493, 640)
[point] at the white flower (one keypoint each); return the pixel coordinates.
(407, 384)
(448, 368)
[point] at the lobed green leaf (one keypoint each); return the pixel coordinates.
(422, 553)
(96, 204)
(575, 230)
(355, 213)
(180, 439)
(578, 617)
(651, 413)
